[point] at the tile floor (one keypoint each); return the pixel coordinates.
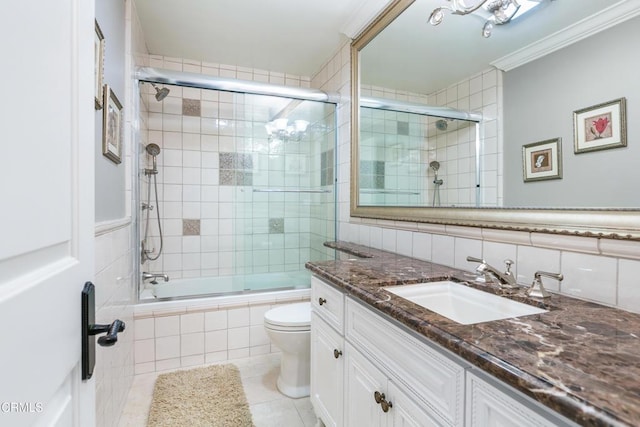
(268, 406)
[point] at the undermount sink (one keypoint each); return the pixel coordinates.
(463, 304)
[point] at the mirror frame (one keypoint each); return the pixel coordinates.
(603, 223)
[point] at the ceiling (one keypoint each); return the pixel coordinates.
(290, 36)
(297, 37)
(412, 55)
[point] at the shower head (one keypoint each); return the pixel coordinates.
(152, 149)
(160, 93)
(435, 165)
(441, 125)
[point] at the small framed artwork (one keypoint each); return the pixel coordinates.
(112, 123)
(600, 127)
(98, 45)
(542, 160)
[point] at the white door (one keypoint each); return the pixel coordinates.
(46, 209)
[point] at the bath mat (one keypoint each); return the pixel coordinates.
(212, 396)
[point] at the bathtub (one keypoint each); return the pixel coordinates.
(226, 285)
(218, 320)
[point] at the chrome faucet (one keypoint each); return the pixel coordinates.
(147, 276)
(537, 290)
(505, 280)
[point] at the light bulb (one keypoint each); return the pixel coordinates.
(436, 16)
(301, 125)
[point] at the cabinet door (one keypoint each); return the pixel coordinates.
(489, 407)
(362, 381)
(327, 372)
(405, 412)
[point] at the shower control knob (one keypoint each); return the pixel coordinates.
(322, 301)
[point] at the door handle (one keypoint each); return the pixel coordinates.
(90, 330)
(111, 330)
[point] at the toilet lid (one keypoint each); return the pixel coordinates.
(298, 314)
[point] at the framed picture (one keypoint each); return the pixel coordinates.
(98, 45)
(112, 123)
(600, 127)
(542, 160)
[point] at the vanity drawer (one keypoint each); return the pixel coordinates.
(328, 303)
(433, 380)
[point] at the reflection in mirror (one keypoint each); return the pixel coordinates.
(511, 101)
(526, 81)
(407, 159)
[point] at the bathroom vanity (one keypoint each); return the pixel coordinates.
(378, 359)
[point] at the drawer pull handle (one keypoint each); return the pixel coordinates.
(337, 353)
(380, 399)
(321, 301)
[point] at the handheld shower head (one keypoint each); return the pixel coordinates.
(435, 165)
(160, 93)
(153, 150)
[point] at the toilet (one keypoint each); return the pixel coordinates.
(289, 328)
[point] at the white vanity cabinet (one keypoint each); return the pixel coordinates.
(367, 370)
(327, 349)
(417, 375)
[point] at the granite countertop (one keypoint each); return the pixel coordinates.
(580, 359)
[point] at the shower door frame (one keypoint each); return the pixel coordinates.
(201, 81)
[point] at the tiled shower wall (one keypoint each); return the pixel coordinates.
(215, 155)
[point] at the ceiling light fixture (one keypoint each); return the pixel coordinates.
(283, 130)
(499, 12)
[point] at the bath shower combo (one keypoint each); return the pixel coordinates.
(251, 217)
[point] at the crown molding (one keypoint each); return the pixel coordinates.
(607, 18)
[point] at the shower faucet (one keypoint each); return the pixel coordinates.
(147, 276)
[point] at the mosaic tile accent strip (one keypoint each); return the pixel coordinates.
(244, 178)
(227, 177)
(276, 225)
(190, 227)
(236, 169)
(191, 107)
(326, 167)
(372, 174)
(227, 160)
(403, 128)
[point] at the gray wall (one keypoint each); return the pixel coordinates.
(110, 178)
(539, 100)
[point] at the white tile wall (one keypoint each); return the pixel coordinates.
(114, 298)
(187, 335)
(589, 277)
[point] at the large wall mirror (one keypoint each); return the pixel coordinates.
(534, 128)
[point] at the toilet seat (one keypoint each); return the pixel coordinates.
(289, 318)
